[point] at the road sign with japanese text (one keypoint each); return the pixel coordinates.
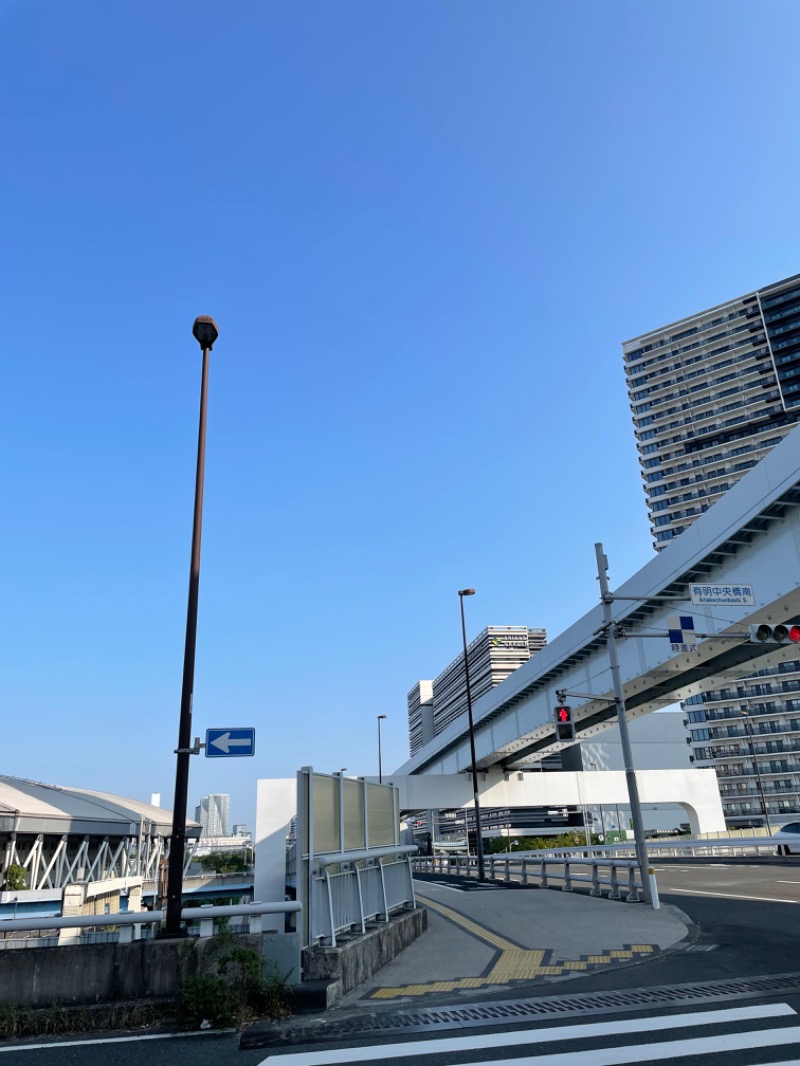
(733, 595)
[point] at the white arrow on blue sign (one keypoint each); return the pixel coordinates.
(223, 743)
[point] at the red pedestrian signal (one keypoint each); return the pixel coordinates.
(565, 727)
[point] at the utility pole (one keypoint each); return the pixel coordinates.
(607, 599)
(748, 728)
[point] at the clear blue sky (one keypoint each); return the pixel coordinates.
(424, 230)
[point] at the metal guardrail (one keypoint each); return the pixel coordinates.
(129, 925)
(620, 876)
(664, 849)
(362, 889)
(619, 860)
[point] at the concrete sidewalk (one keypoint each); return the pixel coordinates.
(488, 938)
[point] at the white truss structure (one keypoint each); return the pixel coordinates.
(53, 862)
(60, 836)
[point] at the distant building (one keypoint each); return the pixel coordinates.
(710, 396)
(222, 845)
(496, 652)
(213, 814)
(240, 830)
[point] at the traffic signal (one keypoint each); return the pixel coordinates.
(565, 727)
(780, 634)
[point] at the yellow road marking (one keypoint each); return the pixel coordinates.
(480, 931)
(512, 964)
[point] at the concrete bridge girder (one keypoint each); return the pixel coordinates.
(750, 536)
(695, 790)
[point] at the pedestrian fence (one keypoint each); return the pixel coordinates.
(612, 866)
(701, 847)
(348, 865)
(131, 925)
(352, 888)
(620, 877)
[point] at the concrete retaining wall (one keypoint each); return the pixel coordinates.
(100, 973)
(85, 974)
(353, 961)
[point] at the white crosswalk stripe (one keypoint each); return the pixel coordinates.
(774, 1033)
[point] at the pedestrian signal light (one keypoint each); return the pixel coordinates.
(565, 727)
(780, 634)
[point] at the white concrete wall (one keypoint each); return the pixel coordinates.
(695, 791)
(276, 805)
(658, 742)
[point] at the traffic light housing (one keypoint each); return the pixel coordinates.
(780, 634)
(565, 727)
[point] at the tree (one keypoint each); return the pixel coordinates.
(15, 878)
(225, 862)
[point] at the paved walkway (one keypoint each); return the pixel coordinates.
(493, 937)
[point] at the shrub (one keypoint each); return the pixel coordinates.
(238, 991)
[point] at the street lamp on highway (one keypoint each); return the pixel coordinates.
(381, 718)
(478, 841)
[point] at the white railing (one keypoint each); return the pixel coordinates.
(612, 866)
(678, 848)
(722, 846)
(130, 925)
(352, 888)
(621, 877)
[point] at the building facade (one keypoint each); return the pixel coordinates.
(496, 652)
(213, 814)
(710, 395)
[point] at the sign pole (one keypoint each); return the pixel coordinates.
(630, 773)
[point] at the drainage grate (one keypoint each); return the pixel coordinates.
(481, 1014)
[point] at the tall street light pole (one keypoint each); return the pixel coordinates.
(748, 727)
(205, 332)
(478, 841)
(381, 718)
(607, 599)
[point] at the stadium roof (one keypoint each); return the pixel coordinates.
(33, 807)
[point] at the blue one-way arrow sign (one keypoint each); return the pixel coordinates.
(222, 743)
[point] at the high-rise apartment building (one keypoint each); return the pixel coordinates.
(496, 652)
(213, 814)
(710, 396)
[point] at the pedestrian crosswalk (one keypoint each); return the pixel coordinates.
(748, 1036)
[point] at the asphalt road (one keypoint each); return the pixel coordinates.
(745, 925)
(744, 917)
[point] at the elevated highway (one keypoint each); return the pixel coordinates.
(750, 536)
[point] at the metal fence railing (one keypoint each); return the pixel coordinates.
(620, 878)
(347, 864)
(352, 889)
(130, 925)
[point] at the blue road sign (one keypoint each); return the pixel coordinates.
(224, 743)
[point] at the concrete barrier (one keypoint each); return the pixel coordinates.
(354, 960)
(102, 973)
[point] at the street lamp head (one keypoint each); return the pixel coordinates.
(205, 331)
(381, 716)
(466, 592)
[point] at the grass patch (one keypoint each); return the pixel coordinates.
(18, 1022)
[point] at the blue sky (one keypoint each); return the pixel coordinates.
(424, 231)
